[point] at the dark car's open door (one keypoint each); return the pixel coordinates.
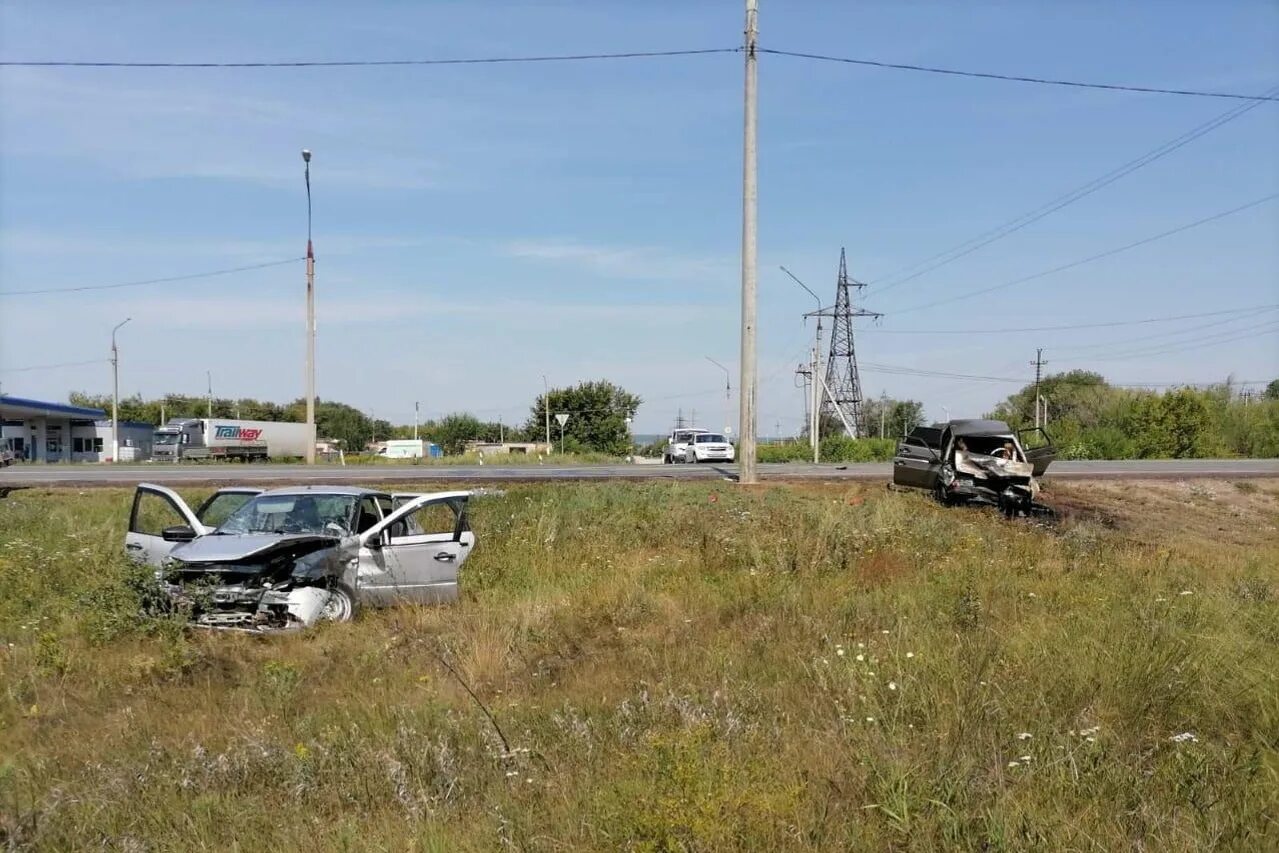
(1039, 448)
(918, 459)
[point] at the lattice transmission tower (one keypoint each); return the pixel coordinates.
(842, 397)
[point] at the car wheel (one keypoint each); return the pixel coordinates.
(341, 605)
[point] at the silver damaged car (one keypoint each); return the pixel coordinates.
(287, 558)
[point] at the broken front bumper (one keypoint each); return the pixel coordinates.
(251, 608)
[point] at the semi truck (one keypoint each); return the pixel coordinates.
(193, 439)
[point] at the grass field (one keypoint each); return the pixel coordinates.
(676, 667)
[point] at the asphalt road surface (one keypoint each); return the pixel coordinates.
(106, 475)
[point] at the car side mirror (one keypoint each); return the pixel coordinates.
(178, 533)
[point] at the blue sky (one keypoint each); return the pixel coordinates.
(477, 227)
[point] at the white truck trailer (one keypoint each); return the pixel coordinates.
(192, 439)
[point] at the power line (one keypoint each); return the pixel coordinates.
(53, 366)
(1091, 258)
(1169, 347)
(971, 245)
(1071, 326)
(1198, 327)
(1017, 78)
(366, 63)
(894, 370)
(166, 280)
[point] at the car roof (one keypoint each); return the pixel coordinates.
(978, 426)
(354, 491)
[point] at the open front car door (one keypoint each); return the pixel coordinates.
(1038, 447)
(157, 509)
(421, 546)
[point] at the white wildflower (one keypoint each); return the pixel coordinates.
(1012, 764)
(870, 719)
(892, 685)
(839, 652)
(1026, 758)
(910, 654)
(1091, 731)
(861, 657)
(1184, 737)
(1185, 592)
(1024, 736)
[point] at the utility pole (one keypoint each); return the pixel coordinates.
(728, 392)
(1038, 364)
(208, 375)
(750, 226)
(416, 418)
(883, 410)
(814, 420)
(310, 319)
(546, 405)
(115, 394)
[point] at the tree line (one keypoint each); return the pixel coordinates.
(598, 414)
(1088, 418)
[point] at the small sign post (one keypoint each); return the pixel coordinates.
(562, 418)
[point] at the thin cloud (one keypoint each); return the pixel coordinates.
(640, 262)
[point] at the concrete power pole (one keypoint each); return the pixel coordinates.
(747, 382)
(310, 319)
(1038, 364)
(208, 375)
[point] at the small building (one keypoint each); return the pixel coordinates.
(38, 431)
(498, 447)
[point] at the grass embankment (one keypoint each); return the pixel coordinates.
(676, 667)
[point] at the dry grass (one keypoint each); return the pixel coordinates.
(676, 667)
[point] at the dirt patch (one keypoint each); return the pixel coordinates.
(1155, 511)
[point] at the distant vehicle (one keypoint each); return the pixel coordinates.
(192, 439)
(981, 461)
(677, 443)
(410, 448)
(708, 447)
(287, 558)
(7, 457)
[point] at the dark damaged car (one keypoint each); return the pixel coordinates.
(977, 461)
(288, 558)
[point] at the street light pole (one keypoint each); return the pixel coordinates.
(750, 258)
(415, 419)
(310, 318)
(728, 391)
(115, 394)
(546, 405)
(814, 412)
(208, 374)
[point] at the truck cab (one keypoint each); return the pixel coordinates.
(171, 441)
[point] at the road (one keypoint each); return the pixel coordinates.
(106, 475)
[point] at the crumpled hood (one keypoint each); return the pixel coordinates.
(226, 549)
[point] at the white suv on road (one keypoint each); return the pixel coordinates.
(708, 447)
(677, 444)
